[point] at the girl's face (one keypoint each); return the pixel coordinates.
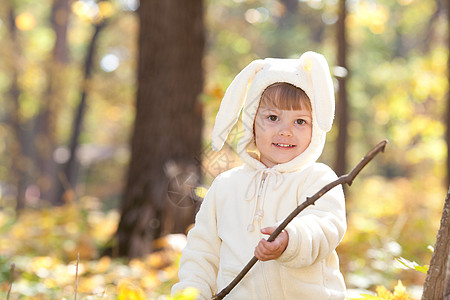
(281, 135)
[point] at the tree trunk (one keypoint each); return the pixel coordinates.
(342, 105)
(447, 281)
(45, 122)
(59, 19)
(435, 281)
(68, 176)
(432, 27)
(18, 150)
(167, 131)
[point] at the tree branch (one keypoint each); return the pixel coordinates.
(347, 178)
(11, 278)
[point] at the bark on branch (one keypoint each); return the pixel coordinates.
(347, 178)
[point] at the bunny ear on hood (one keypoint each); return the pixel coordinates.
(232, 103)
(323, 88)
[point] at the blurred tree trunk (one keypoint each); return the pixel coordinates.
(288, 17)
(436, 277)
(167, 129)
(295, 14)
(60, 21)
(342, 103)
(19, 148)
(69, 173)
(432, 27)
(45, 135)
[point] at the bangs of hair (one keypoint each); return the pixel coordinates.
(285, 96)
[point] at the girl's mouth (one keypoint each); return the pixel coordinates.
(283, 145)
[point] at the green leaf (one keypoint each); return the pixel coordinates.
(412, 265)
(422, 269)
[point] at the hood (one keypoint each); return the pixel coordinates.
(310, 73)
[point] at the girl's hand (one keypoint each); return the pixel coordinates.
(266, 251)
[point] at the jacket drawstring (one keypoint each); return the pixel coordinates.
(259, 190)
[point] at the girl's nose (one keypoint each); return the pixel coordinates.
(285, 130)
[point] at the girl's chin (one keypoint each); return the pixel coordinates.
(272, 163)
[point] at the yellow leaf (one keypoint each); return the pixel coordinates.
(156, 260)
(400, 292)
(106, 9)
(150, 280)
(200, 191)
(128, 291)
(189, 293)
(383, 292)
(103, 264)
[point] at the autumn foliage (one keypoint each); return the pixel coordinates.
(43, 245)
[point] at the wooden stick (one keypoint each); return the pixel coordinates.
(76, 277)
(11, 276)
(347, 178)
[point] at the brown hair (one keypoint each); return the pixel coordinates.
(285, 96)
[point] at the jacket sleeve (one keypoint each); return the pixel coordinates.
(316, 232)
(200, 258)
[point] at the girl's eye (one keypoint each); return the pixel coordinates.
(273, 118)
(300, 121)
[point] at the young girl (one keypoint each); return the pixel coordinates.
(286, 111)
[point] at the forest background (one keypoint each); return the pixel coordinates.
(69, 80)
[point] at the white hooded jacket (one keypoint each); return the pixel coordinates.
(245, 199)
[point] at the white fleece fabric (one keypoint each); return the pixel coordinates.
(245, 199)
